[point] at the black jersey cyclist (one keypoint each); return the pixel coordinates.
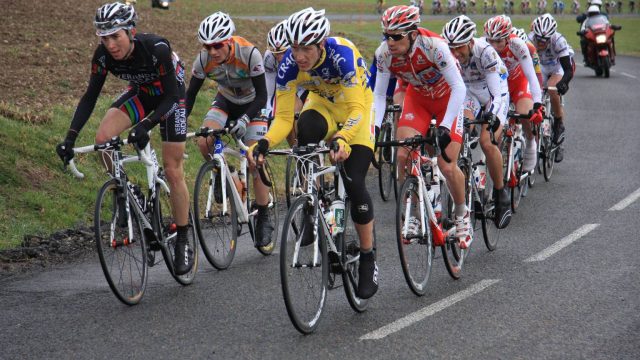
(155, 95)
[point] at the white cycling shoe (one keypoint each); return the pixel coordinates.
(463, 230)
(530, 156)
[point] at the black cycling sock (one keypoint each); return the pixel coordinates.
(182, 232)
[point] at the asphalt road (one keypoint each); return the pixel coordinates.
(517, 302)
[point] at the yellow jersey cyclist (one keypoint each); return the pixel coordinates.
(336, 75)
(236, 66)
(277, 45)
(558, 66)
(155, 95)
(485, 76)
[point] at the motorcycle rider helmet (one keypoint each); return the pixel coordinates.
(401, 18)
(276, 39)
(113, 17)
(593, 10)
(498, 27)
(307, 27)
(459, 31)
(216, 28)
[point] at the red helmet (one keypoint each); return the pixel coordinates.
(498, 27)
(401, 17)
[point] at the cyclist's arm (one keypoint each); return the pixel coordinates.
(493, 84)
(380, 89)
(194, 86)
(170, 99)
(88, 101)
(448, 67)
(354, 95)
(270, 82)
(526, 63)
(253, 108)
(565, 62)
(283, 119)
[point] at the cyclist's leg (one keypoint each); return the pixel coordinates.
(173, 131)
(523, 100)
(126, 111)
(216, 118)
(414, 120)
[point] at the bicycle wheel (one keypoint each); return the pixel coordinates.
(216, 228)
(348, 245)
(415, 249)
(548, 154)
(385, 162)
(490, 232)
(452, 254)
(120, 244)
(518, 189)
(292, 182)
(273, 212)
(303, 276)
(165, 225)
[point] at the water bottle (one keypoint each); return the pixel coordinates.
(546, 129)
(435, 197)
(480, 176)
(337, 209)
(140, 198)
(330, 219)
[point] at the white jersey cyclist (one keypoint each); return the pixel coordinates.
(486, 78)
(550, 57)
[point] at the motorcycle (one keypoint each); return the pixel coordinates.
(601, 50)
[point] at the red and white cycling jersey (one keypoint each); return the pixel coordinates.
(429, 68)
(517, 58)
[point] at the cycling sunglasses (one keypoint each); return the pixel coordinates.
(216, 46)
(395, 37)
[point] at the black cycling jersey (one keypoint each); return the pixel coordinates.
(152, 69)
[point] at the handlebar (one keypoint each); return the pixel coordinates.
(115, 143)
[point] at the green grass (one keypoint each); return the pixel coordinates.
(283, 7)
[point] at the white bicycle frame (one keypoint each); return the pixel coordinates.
(225, 178)
(148, 157)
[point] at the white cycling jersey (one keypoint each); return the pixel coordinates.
(485, 76)
(557, 47)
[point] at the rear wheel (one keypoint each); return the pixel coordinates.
(452, 255)
(348, 244)
(518, 188)
(304, 269)
(121, 247)
(415, 245)
(217, 227)
(385, 162)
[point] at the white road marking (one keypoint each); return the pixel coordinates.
(564, 242)
(626, 201)
(628, 75)
(427, 311)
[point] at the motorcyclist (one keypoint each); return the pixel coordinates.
(592, 12)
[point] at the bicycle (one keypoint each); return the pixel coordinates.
(305, 263)
(130, 228)
(546, 147)
(387, 158)
(219, 207)
(512, 150)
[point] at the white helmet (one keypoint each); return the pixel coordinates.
(307, 27)
(519, 32)
(216, 28)
(593, 9)
(459, 31)
(596, 2)
(544, 26)
(113, 17)
(276, 39)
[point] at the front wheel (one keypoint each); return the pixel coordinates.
(415, 244)
(452, 255)
(216, 221)
(120, 243)
(304, 269)
(166, 226)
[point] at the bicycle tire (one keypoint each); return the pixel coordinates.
(490, 232)
(416, 255)
(385, 163)
(452, 255)
(304, 316)
(348, 244)
(272, 209)
(218, 233)
(290, 180)
(549, 155)
(129, 257)
(164, 224)
(518, 189)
